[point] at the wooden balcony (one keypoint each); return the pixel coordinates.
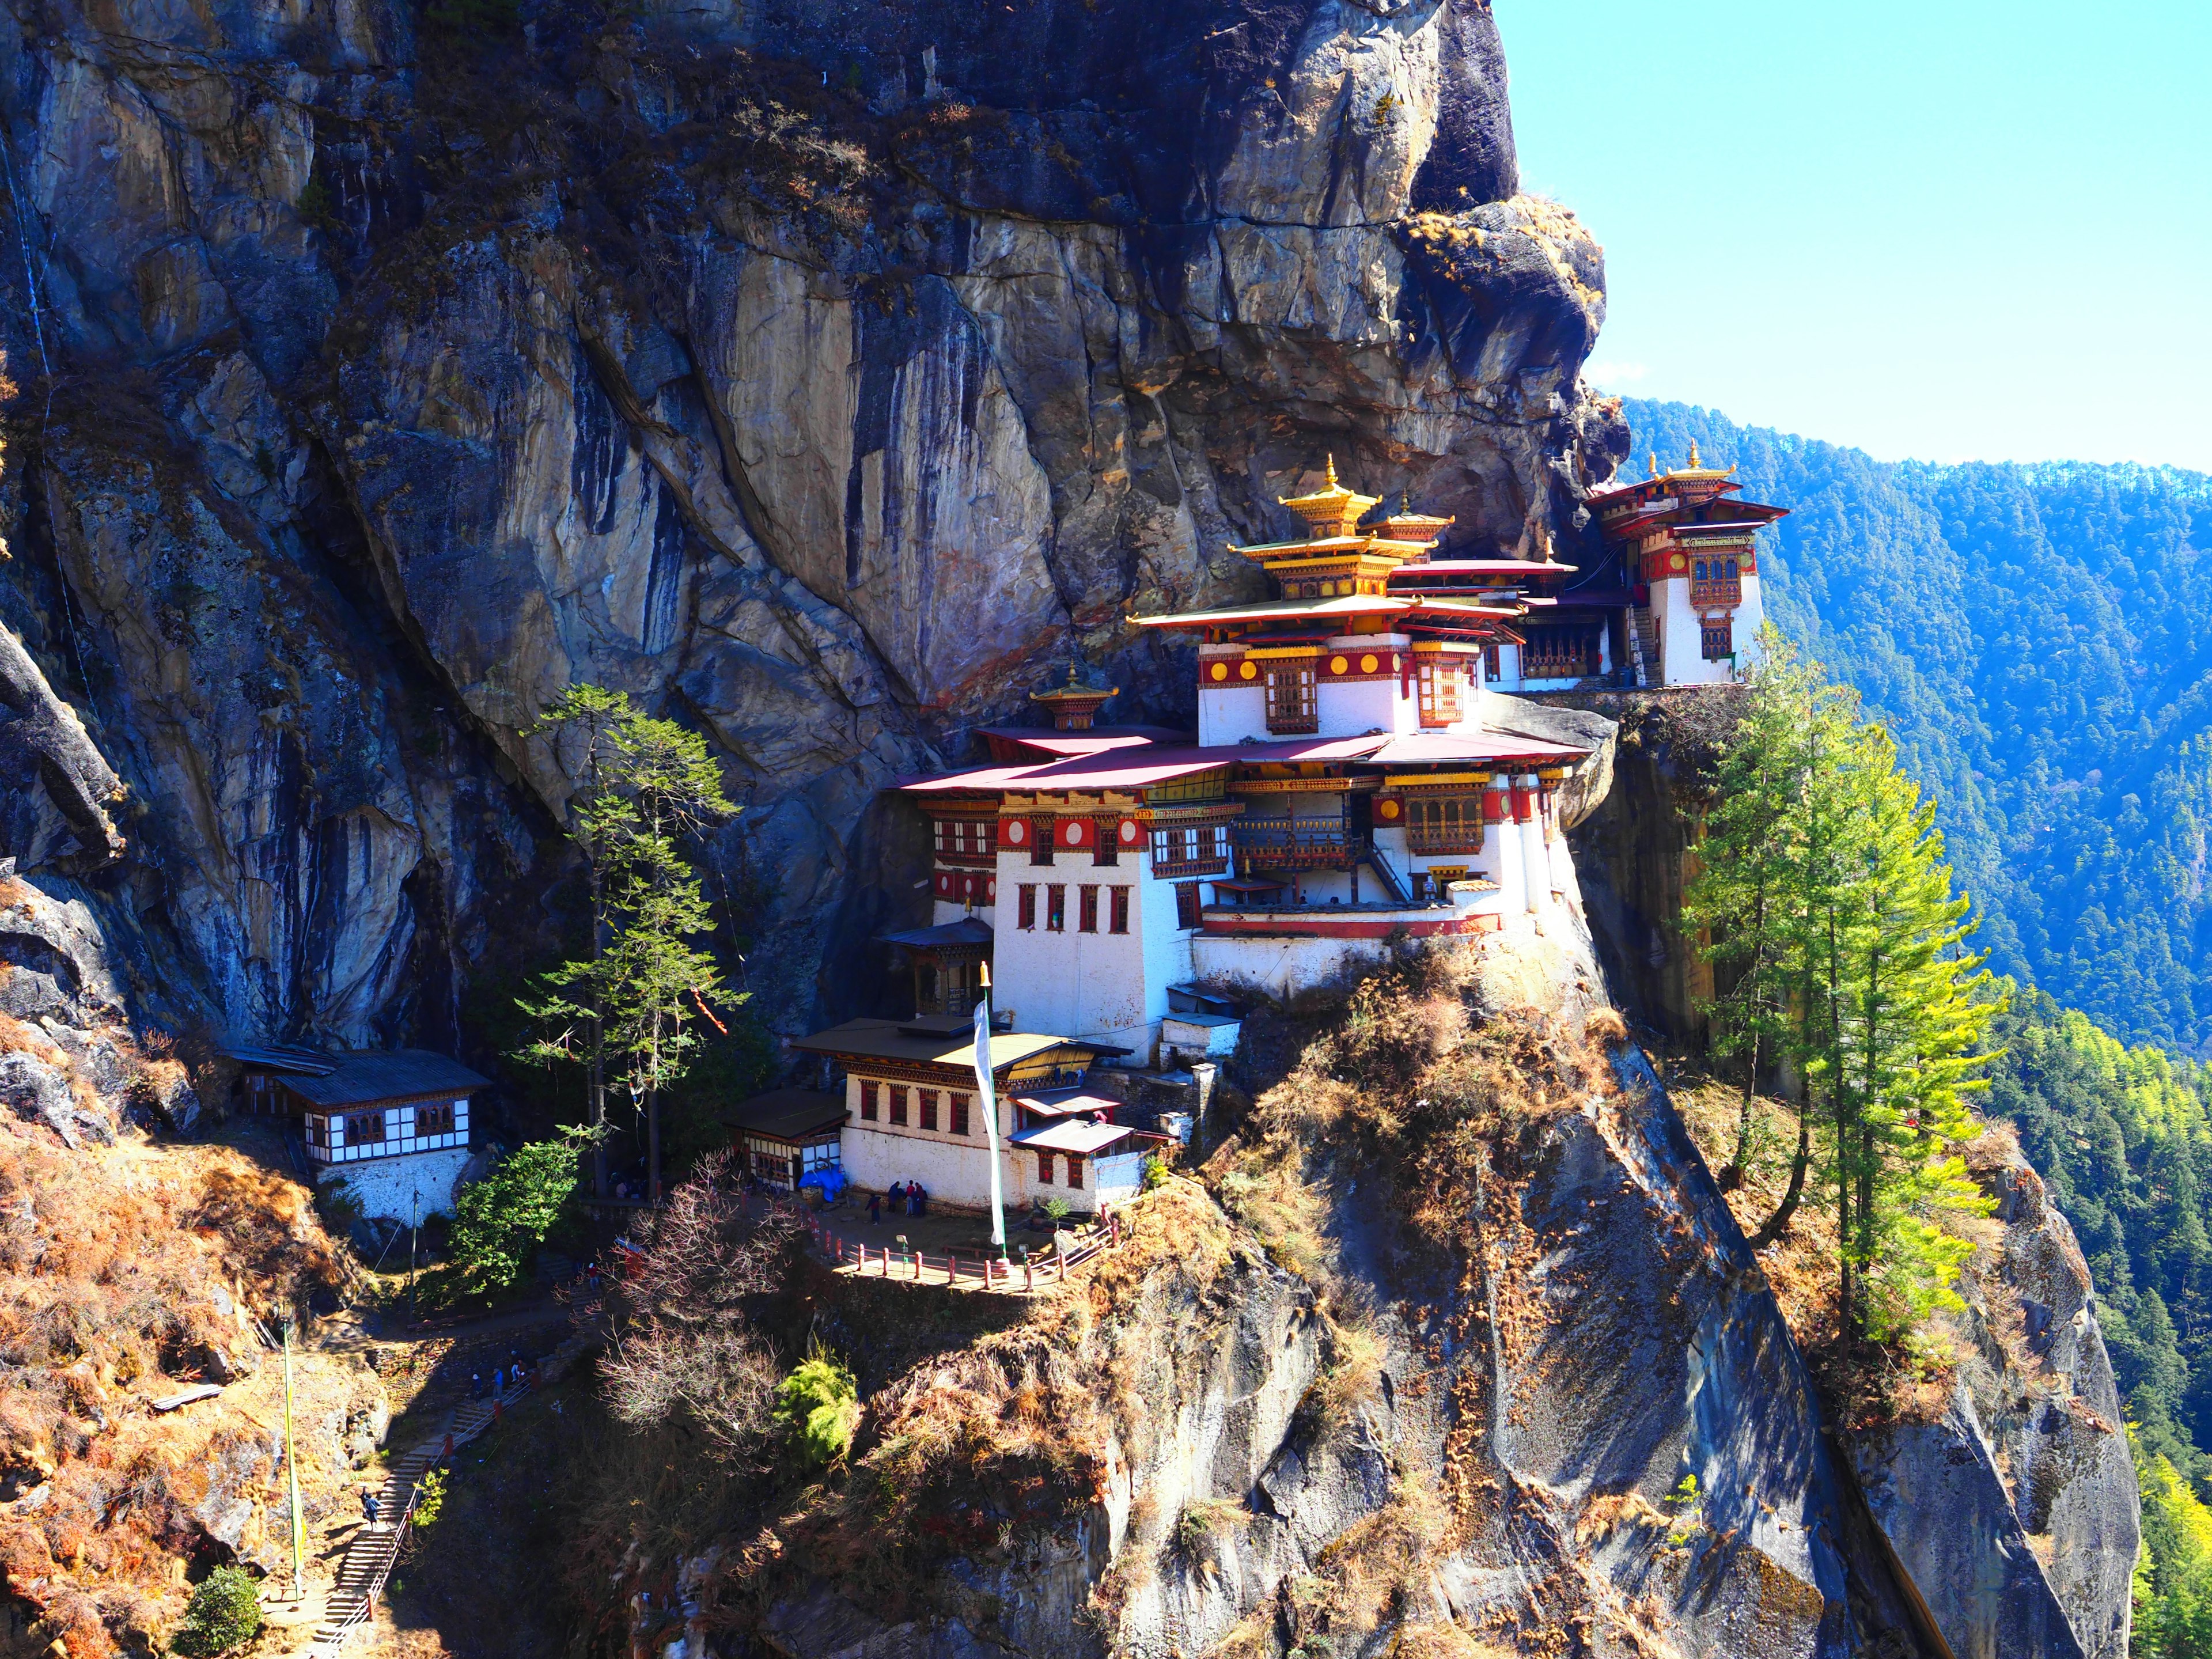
(1297, 843)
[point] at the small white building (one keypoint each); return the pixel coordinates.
(910, 1114)
(394, 1124)
(1688, 544)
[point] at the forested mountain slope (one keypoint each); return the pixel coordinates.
(2034, 636)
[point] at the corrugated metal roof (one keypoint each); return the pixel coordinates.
(394, 1074)
(1068, 1135)
(792, 1115)
(892, 1039)
(286, 1057)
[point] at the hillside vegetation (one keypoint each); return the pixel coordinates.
(2030, 635)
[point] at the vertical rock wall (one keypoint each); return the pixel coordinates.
(820, 376)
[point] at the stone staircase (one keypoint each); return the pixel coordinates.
(1644, 646)
(369, 1556)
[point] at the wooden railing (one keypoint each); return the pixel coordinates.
(1279, 843)
(979, 1270)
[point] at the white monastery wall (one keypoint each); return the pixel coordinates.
(1682, 650)
(957, 1173)
(1230, 714)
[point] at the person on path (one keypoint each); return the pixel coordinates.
(370, 1508)
(476, 1385)
(875, 1209)
(446, 1454)
(895, 1196)
(920, 1199)
(498, 1381)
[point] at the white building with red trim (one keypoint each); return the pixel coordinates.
(1343, 791)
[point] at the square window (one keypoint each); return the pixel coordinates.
(1086, 915)
(870, 1091)
(898, 1104)
(959, 1115)
(1055, 909)
(1717, 639)
(364, 1129)
(1027, 904)
(928, 1108)
(1118, 917)
(435, 1119)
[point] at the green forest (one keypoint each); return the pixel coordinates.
(2029, 635)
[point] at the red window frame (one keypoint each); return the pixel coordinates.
(1056, 908)
(1075, 1172)
(898, 1104)
(1044, 1168)
(1117, 920)
(1086, 910)
(1188, 912)
(959, 1124)
(1027, 905)
(870, 1092)
(929, 1097)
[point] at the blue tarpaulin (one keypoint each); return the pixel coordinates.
(831, 1182)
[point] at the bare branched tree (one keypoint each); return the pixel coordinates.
(688, 1353)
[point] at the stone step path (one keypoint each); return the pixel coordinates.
(369, 1556)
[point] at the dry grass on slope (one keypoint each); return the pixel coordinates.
(126, 1272)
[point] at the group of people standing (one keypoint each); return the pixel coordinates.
(911, 1194)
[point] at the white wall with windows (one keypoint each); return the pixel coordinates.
(955, 1169)
(386, 1130)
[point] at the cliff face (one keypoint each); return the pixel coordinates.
(1454, 1348)
(821, 375)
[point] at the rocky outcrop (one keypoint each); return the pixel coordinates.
(2014, 1513)
(820, 377)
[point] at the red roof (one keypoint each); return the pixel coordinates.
(1482, 567)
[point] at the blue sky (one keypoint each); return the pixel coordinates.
(1952, 229)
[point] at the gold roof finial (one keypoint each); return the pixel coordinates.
(1655, 462)
(1695, 463)
(1332, 470)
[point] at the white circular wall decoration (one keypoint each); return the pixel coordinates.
(1017, 831)
(1128, 832)
(1074, 834)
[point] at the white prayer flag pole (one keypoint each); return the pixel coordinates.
(988, 1098)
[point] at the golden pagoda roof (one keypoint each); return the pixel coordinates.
(1695, 472)
(1075, 691)
(1331, 505)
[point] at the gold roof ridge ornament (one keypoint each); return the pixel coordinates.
(1332, 510)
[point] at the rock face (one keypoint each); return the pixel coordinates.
(2014, 1513)
(821, 377)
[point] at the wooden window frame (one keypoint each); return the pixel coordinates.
(1105, 843)
(1117, 918)
(1074, 1181)
(1056, 907)
(1025, 905)
(366, 1120)
(1293, 696)
(1438, 685)
(927, 1098)
(1721, 633)
(1040, 840)
(1189, 912)
(871, 1099)
(1086, 909)
(898, 1106)
(1044, 1168)
(434, 1117)
(958, 1115)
